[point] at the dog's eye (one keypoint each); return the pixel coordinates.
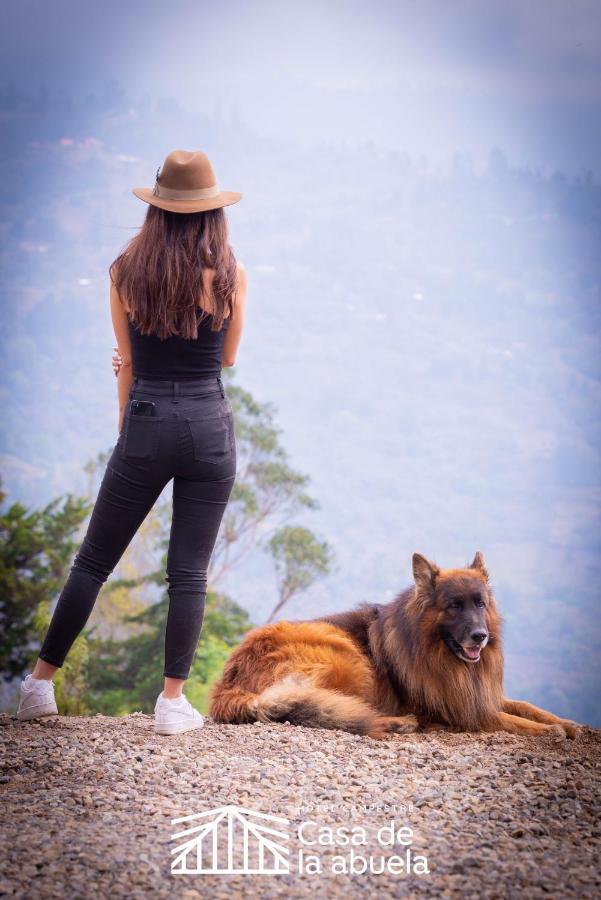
(455, 604)
(478, 601)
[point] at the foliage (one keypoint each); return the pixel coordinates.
(299, 559)
(126, 675)
(267, 491)
(116, 663)
(36, 548)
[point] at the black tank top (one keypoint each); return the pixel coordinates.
(177, 358)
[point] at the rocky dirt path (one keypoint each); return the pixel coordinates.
(87, 805)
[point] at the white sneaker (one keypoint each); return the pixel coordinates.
(175, 716)
(37, 698)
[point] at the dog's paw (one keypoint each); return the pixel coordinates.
(378, 733)
(405, 724)
(435, 726)
(572, 729)
(386, 725)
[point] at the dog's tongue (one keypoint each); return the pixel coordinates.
(472, 652)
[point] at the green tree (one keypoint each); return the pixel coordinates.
(116, 663)
(300, 559)
(124, 675)
(267, 493)
(36, 551)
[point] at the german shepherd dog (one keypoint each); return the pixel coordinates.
(430, 659)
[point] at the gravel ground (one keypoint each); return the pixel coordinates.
(87, 805)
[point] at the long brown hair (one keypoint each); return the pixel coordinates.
(159, 274)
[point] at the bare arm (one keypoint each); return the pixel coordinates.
(234, 332)
(124, 374)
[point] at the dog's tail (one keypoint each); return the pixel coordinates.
(296, 700)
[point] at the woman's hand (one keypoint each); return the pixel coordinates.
(117, 361)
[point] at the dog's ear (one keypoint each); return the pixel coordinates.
(425, 573)
(478, 563)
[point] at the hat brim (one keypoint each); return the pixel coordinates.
(224, 198)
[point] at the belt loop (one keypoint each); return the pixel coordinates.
(221, 388)
(175, 391)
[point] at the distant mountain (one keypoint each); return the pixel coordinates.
(430, 340)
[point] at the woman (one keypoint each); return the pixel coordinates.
(177, 304)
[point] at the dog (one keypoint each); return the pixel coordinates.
(430, 659)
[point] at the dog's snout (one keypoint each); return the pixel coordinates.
(478, 636)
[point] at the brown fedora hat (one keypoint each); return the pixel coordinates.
(186, 184)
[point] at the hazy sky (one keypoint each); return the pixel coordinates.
(431, 77)
(497, 305)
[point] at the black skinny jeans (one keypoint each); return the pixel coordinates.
(190, 439)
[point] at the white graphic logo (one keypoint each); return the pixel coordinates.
(234, 840)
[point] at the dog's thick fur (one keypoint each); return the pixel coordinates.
(430, 659)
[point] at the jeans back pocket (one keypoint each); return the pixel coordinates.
(212, 437)
(141, 438)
